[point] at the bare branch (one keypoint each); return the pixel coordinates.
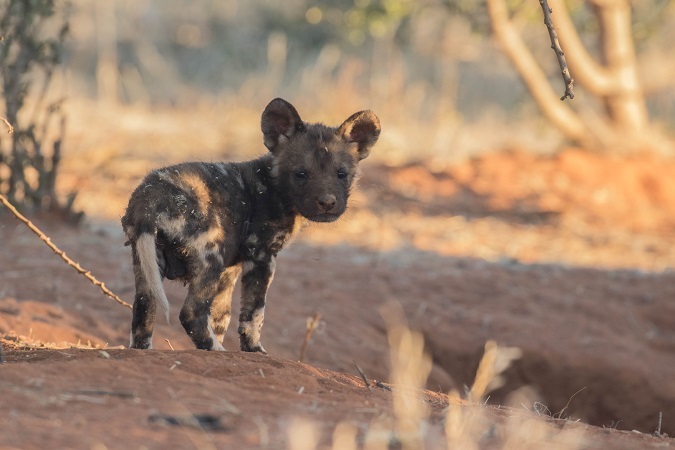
(555, 45)
(562, 116)
(61, 253)
(595, 77)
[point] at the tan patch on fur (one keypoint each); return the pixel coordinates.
(299, 224)
(215, 235)
(273, 268)
(222, 302)
(199, 189)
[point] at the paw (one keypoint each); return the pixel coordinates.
(217, 347)
(141, 344)
(247, 347)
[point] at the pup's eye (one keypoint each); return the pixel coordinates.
(301, 175)
(342, 174)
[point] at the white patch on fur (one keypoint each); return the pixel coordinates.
(258, 319)
(274, 172)
(165, 175)
(247, 266)
(252, 327)
(261, 255)
(216, 345)
(131, 341)
(147, 255)
(172, 227)
(239, 179)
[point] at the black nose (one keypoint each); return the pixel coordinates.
(327, 202)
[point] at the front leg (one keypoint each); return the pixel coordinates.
(256, 278)
(219, 319)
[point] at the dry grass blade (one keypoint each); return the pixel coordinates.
(410, 368)
(61, 253)
(312, 323)
(344, 436)
(10, 128)
(495, 361)
(302, 435)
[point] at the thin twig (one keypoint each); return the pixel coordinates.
(363, 376)
(312, 323)
(383, 386)
(555, 45)
(657, 433)
(169, 342)
(106, 392)
(61, 253)
(10, 128)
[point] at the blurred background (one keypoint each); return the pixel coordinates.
(431, 69)
(477, 155)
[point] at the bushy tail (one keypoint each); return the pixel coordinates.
(147, 255)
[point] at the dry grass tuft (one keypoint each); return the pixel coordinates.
(468, 424)
(17, 341)
(410, 368)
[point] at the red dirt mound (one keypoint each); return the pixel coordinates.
(495, 248)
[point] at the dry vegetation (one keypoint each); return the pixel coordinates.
(464, 424)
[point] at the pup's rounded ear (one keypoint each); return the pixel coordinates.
(362, 128)
(279, 120)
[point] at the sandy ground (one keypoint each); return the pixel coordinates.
(568, 258)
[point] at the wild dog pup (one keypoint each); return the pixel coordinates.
(208, 223)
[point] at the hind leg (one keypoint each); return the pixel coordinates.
(221, 307)
(144, 308)
(196, 311)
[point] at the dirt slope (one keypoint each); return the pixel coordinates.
(487, 261)
(190, 399)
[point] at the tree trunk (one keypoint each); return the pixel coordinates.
(625, 106)
(623, 124)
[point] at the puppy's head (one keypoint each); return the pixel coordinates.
(316, 165)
